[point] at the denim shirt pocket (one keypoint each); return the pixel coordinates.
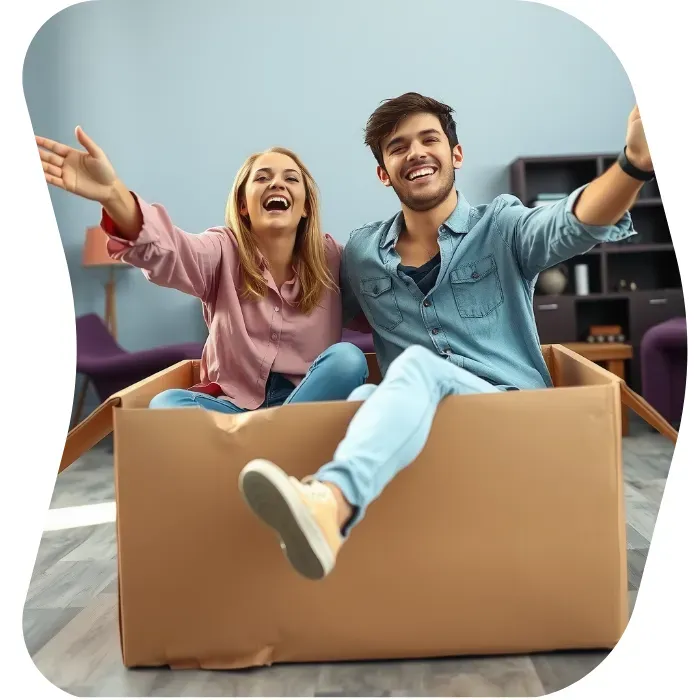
(476, 287)
(380, 298)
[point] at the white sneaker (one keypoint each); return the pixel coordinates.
(303, 513)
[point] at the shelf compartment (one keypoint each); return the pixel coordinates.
(601, 311)
(553, 175)
(649, 269)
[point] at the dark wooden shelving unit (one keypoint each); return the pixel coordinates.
(647, 259)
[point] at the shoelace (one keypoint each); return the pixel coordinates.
(315, 489)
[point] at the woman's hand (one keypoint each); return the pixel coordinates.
(86, 173)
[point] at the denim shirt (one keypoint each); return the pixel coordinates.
(479, 315)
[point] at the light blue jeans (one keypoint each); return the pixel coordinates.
(333, 376)
(392, 426)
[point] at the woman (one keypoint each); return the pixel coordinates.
(268, 280)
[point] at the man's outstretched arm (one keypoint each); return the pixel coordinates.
(606, 199)
(598, 212)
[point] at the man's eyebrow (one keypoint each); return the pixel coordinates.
(399, 139)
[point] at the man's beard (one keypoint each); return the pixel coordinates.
(426, 203)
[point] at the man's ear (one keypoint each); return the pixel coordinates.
(383, 176)
(457, 157)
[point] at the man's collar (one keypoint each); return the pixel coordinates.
(457, 222)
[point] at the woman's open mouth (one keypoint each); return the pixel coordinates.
(276, 202)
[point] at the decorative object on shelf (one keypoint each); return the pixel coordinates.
(633, 286)
(545, 198)
(606, 334)
(554, 280)
(621, 286)
(95, 255)
(581, 277)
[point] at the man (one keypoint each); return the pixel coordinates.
(447, 288)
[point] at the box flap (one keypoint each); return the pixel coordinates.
(89, 432)
(647, 413)
(569, 368)
(181, 375)
(98, 424)
(564, 374)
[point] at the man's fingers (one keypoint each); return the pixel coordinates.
(58, 148)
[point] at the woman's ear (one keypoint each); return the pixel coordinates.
(243, 209)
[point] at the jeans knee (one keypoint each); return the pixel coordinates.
(348, 360)
(413, 357)
(170, 398)
(363, 392)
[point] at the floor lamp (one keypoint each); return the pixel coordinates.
(95, 255)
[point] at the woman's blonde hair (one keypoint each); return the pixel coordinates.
(309, 256)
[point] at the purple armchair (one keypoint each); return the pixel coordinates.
(664, 363)
(364, 341)
(110, 368)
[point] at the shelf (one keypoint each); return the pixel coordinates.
(648, 202)
(603, 296)
(597, 296)
(573, 158)
(637, 247)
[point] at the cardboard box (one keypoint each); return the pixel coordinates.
(506, 535)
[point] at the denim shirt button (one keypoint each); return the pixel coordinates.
(475, 275)
(435, 331)
(426, 303)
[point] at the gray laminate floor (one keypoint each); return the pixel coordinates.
(70, 617)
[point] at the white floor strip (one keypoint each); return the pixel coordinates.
(80, 516)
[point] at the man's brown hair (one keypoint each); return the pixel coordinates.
(390, 113)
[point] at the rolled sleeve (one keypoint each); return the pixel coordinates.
(167, 255)
(547, 235)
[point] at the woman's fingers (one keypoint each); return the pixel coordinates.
(53, 180)
(52, 158)
(54, 146)
(90, 146)
(52, 169)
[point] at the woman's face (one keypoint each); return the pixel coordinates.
(274, 195)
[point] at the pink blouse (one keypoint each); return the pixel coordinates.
(248, 339)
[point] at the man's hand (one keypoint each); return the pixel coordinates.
(637, 147)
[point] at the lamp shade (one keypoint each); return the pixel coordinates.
(95, 248)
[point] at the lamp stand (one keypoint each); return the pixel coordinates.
(111, 304)
(111, 323)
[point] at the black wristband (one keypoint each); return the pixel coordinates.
(632, 170)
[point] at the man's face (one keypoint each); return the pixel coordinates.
(419, 163)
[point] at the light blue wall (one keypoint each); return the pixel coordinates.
(178, 93)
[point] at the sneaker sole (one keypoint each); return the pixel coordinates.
(269, 494)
